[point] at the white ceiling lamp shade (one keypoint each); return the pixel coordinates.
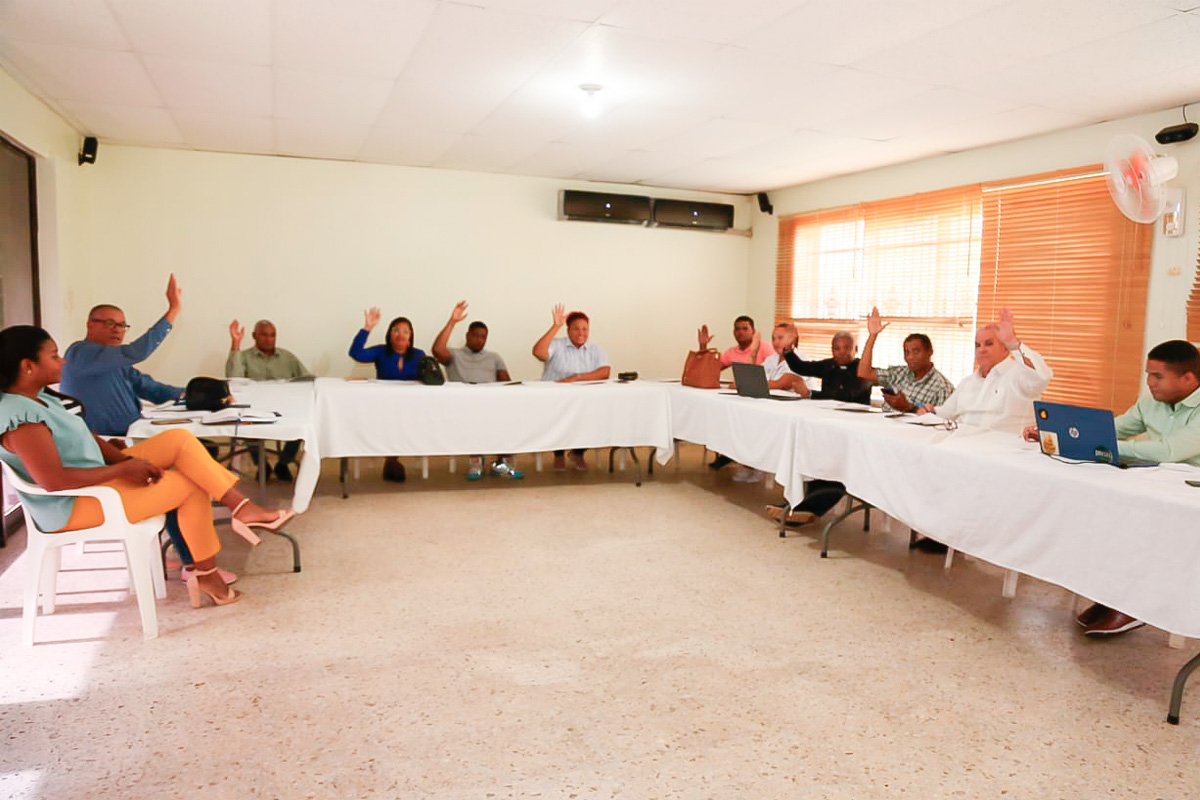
(590, 106)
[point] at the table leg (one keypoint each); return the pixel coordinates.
(342, 477)
(1177, 689)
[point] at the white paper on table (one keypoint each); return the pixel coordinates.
(858, 407)
(238, 415)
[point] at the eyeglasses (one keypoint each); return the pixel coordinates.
(112, 324)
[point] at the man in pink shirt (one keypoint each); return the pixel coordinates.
(749, 348)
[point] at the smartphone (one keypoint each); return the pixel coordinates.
(888, 390)
(1193, 483)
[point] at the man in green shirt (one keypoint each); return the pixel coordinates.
(265, 362)
(1170, 419)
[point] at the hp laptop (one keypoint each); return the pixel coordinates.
(751, 380)
(1081, 434)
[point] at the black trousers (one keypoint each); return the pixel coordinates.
(820, 496)
(287, 455)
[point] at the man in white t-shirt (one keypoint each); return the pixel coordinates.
(473, 364)
(779, 375)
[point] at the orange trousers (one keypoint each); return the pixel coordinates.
(190, 480)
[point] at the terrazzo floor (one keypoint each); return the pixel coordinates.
(574, 636)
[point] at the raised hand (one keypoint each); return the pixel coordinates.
(174, 294)
(370, 318)
(756, 342)
(1005, 328)
(559, 314)
(875, 323)
(703, 337)
(459, 313)
(236, 332)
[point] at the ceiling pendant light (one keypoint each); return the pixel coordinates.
(590, 105)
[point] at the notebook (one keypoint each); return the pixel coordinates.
(1080, 433)
(751, 380)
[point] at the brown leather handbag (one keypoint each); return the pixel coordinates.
(702, 369)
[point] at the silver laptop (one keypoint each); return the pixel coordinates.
(751, 380)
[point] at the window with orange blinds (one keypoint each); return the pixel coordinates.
(916, 258)
(1193, 308)
(1074, 271)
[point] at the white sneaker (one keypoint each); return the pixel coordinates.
(747, 475)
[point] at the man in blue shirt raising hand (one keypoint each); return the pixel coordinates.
(98, 371)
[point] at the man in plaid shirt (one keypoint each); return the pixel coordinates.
(908, 386)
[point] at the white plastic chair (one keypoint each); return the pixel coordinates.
(43, 551)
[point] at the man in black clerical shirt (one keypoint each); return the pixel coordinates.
(839, 381)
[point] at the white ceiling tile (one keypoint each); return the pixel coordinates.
(924, 112)
(1004, 126)
(329, 98)
(717, 137)
(407, 145)
(469, 62)
(633, 126)
(636, 166)
(687, 19)
(333, 139)
(1015, 32)
(558, 159)
(576, 10)
(225, 133)
(214, 86)
(233, 30)
(87, 76)
(487, 154)
(79, 23)
(844, 31)
(126, 124)
(352, 37)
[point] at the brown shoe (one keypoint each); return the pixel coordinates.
(1092, 613)
(793, 517)
(1112, 623)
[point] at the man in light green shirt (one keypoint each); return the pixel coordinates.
(265, 362)
(1170, 419)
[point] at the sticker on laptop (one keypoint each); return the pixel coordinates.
(1050, 443)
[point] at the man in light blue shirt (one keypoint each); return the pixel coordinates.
(98, 371)
(568, 360)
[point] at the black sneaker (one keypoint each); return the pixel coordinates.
(720, 461)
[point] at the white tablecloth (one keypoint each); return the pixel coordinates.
(373, 418)
(1126, 538)
(294, 401)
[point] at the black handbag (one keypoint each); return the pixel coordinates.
(206, 394)
(429, 371)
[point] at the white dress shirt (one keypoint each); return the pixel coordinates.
(1004, 399)
(566, 359)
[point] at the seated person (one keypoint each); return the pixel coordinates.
(395, 360)
(265, 362)
(839, 381)
(1000, 393)
(98, 371)
(569, 359)
(49, 446)
(911, 384)
(474, 364)
(748, 350)
(779, 375)
(1170, 419)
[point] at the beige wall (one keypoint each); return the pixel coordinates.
(311, 243)
(1174, 259)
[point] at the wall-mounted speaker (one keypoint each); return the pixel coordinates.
(689, 214)
(87, 155)
(1177, 133)
(764, 203)
(599, 207)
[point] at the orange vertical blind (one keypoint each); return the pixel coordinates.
(1074, 271)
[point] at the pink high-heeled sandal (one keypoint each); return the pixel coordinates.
(196, 591)
(243, 528)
